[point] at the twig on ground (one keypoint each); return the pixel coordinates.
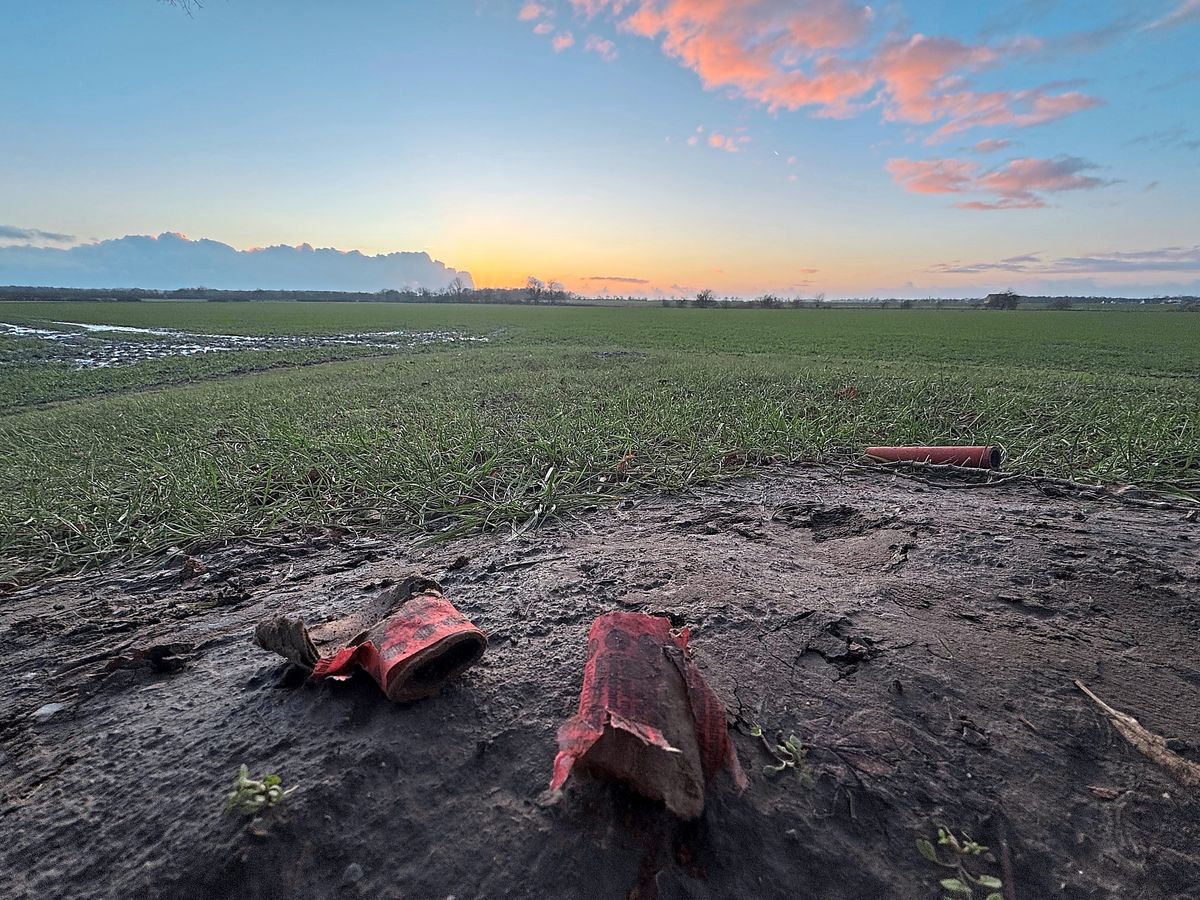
(1149, 744)
(980, 478)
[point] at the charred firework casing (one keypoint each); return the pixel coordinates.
(411, 640)
(646, 716)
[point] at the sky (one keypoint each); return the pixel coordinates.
(648, 147)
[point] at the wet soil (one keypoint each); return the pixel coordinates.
(103, 346)
(921, 642)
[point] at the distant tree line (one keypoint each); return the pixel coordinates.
(536, 292)
(1002, 300)
(552, 293)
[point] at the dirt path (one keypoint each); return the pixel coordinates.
(921, 642)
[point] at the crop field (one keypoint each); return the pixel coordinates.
(403, 415)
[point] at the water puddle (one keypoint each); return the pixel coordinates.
(87, 326)
(87, 345)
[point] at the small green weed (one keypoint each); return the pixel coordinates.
(952, 853)
(250, 797)
(788, 754)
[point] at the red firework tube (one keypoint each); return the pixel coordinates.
(410, 639)
(412, 652)
(971, 457)
(646, 716)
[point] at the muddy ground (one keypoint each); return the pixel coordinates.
(87, 346)
(921, 641)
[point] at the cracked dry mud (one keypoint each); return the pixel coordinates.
(922, 642)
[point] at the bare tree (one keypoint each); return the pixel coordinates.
(535, 289)
(705, 299)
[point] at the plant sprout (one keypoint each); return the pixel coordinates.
(963, 884)
(789, 754)
(250, 797)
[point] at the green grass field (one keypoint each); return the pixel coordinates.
(563, 406)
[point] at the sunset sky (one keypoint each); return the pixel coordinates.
(627, 146)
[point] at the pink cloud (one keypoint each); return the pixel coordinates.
(1185, 11)
(917, 73)
(1158, 259)
(606, 48)
(562, 41)
(753, 46)
(1018, 184)
(1016, 108)
(592, 8)
(1002, 203)
(728, 143)
(991, 145)
(932, 176)
(806, 53)
(531, 11)
(718, 140)
(922, 82)
(543, 28)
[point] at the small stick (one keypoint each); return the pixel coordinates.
(1149, 744)
(1006, 867)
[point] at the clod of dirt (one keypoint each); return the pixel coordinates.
(159, 658)
(829, 522)
(191, 568)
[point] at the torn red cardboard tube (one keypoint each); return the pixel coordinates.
(410, 639)
(646, 716)
(988, 457)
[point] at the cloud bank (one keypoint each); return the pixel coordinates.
(1018, 184)
(33, 235)
(173, 261)
(834, 58)
(1160, 259)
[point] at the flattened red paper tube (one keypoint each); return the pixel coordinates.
(646, 715)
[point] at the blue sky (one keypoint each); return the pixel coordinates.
(748, 146)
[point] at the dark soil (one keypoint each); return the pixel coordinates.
(921, 642)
